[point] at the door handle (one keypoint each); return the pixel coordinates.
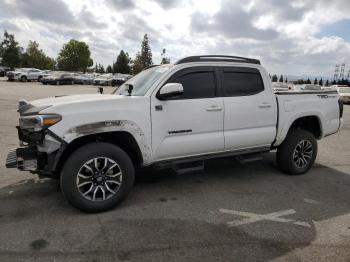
(265, 105)
(214, 108)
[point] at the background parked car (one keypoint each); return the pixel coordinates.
(84, 79)
(4, 70)
(59, 78)
(307, 87)
(344, 93)
(119, 79)
(25, 74)
(104, 80)
(278, 86)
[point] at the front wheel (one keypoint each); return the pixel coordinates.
(97, 177)
(297, 153)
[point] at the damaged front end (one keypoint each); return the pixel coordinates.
(37, 143)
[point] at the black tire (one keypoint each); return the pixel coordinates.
(57, 82)
(75, 163)
(297, 153)
(23, 79)
(40, 78)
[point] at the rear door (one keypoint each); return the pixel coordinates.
(191, 124)
(250, 109)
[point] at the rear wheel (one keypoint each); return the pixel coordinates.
(97, 177)
(297, 153)
(23, 79)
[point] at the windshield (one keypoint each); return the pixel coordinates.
(344, 90)
(142, 81)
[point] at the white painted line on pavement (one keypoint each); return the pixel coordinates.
(253, 218)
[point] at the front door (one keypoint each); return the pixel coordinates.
(191, 124)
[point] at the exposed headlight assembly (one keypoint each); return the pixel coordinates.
(38, 122)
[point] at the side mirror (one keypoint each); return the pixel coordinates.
(170, 90)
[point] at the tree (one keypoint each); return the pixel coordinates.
(35, 57)
(315, 81)
(143, 59)
(286, 80)
(10, 51)
(281, 79)
(308, 81)
(122, 65)
(327, 83)
(320, 82)
(274, 78)
(165, 58)
(102, 69)
(109, 69)
(99, 68)
(74, 56)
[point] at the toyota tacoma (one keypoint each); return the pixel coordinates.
(199, 108)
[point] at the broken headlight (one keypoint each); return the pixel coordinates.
(38, 122)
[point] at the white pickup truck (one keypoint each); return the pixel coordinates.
(199, 108)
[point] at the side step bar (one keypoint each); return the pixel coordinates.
(192, 167)
(244, 159)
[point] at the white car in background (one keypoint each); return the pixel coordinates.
(26, 74)
(279, 86)
(307, 87)
(344, 93)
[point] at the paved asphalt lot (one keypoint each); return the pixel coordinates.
(169, 217)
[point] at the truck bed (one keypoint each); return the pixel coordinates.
(293, 105)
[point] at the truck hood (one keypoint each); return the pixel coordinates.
(35, 106)
(60, 100)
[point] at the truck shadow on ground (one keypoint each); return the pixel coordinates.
(175, 217)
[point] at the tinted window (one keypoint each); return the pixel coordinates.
(242, 83)
(200, 84)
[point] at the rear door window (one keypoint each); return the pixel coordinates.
(239, 81)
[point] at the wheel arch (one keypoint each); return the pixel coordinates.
(311, 123)
(122, 139)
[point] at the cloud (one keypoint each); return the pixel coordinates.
(90, 20)
(52, 11)
(121, 5)
(232, 24)
(168, 4)
(6, 25)
(290, 37)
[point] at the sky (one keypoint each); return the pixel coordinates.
(300, 37)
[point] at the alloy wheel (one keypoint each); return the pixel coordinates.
(99, 179)
(302, 154)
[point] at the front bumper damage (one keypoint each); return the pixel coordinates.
(23, 158)
(38, 152)
(39, 149)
